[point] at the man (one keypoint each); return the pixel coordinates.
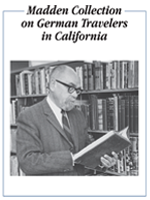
(45, 144)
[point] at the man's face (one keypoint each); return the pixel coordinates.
(62, 93)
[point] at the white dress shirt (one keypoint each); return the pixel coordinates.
(56, 110)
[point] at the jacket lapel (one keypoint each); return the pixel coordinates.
(53, 120)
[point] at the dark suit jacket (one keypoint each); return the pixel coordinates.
(42, 146)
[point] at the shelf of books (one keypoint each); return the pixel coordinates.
(109, 101)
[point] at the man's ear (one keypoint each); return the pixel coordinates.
(52, 85)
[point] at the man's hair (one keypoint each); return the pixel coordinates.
(58, 70)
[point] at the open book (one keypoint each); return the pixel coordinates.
(112, 141)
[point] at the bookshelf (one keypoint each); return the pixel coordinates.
(110, 101)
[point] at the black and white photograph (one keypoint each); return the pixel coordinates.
(74, 118)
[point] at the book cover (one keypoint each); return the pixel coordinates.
(112, 141)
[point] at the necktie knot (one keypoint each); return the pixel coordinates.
(63, 112)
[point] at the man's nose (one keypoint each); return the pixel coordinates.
(75, 94)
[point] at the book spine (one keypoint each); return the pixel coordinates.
(13, 166)
(13, 88)
(95, 112)
(134, 156)
(26, 87)
(124, 162)
(36, 82)
(119, 113)
(92, 114)
(104, 108)
(21, 84)
(33, 83)
(136, 114)
(85, 77)
(100, 78)
(125, 75)
(100, 114)
(133, 74)
(104, 75)
(97, 75)
(114, 68)
(107, 78)
(111, 76)
(131, 114)
(81, 76)
(116, 128)
(30, 84)
(17, 84)
(127, 111)
(118, 74)
(39, 81)
(101, 75)
(122, 75)
(136, 74)
(129, 74)
(120, 79)
(42, 81)
(108, 116)
(13, 140)
(111, 113)
(118, 166)
(128, 161)
(47, 78)
(14, 111)
(121, 163)
(90, 77)
(122, 113)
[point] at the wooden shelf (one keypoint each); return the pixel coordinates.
(134, 135)
(97, 131)
(83, 93)
(110, 91)
(28, 96)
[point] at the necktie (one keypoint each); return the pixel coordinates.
(66, 126)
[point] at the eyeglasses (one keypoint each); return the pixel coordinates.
(71, 89)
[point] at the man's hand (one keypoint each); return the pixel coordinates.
(109, 161)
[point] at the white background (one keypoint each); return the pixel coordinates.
(122, 44)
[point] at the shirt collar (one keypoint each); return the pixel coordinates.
(56, 110)
(53, 106)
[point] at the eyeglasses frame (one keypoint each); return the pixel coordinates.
(70, 86)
